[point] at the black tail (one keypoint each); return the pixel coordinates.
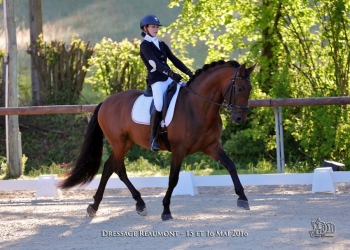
(90, 156)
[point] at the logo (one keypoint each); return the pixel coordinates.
(322, 229)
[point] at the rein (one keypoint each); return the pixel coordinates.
(232, 90)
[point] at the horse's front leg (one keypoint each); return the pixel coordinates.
(218, 154)
(176, 161)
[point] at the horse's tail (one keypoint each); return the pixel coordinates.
(90, 156)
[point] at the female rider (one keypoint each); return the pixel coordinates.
(154, 54)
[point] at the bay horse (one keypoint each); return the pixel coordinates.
(196, 127)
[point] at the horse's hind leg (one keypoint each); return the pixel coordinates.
(108, 169)
(121, 172)
(120, 150)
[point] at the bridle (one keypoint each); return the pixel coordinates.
(232, 89)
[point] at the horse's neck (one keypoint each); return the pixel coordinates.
(210, 87)
(207, 96)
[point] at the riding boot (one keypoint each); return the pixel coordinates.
(155, 122)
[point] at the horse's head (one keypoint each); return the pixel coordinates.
(237, 95)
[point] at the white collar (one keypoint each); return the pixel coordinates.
(152, 40)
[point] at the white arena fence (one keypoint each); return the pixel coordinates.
(322, 180)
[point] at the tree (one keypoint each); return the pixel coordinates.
(14, 157)
(302, 49)
(61, 70)
(36, 29)
(117, 67)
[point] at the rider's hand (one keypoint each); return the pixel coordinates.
(189, 73)
(174, 76)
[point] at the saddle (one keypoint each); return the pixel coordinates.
(168, 95)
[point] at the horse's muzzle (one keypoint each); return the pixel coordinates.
(239, 118)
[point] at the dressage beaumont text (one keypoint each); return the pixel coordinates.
(188, 233)
(105, 233)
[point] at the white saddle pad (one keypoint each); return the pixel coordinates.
(140, 111)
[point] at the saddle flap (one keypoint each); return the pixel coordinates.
(168, 96)
(143, 105)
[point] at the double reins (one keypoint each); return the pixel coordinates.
(232, 89)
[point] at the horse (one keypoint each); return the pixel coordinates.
(196, 127)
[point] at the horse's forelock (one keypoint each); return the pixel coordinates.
(212, 65)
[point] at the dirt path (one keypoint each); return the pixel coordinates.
(280, 218)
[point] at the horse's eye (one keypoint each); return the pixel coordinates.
(240, 89)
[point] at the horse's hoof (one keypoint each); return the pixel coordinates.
(90, 211)
(141, 210)
(166, 217)
(243, 204)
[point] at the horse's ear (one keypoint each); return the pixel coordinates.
(251, 69)
(241, 71)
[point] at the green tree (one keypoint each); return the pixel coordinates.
(302, 49)
(36, 29)
(116, 67)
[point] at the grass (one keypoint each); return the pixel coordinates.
(155, 172)
(131, 173)
(92, 19)
(143, 168)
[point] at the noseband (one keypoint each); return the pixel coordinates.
(230, 106)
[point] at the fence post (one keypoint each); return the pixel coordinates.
(279, 139)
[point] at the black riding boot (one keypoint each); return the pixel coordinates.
(155, 122)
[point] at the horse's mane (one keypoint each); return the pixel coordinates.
(212, 65)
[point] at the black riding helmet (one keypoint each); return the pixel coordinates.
(149, 19)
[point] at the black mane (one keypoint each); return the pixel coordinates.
(212, 65)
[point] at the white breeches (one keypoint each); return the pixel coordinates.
(158, 89)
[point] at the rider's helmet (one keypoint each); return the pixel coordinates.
(149, 19)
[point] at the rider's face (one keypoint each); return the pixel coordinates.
(152, 29)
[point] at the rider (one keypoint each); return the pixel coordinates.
(154, 54)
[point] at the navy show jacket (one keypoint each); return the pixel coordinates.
(156, 61)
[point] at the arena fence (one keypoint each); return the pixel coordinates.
(323, 179)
